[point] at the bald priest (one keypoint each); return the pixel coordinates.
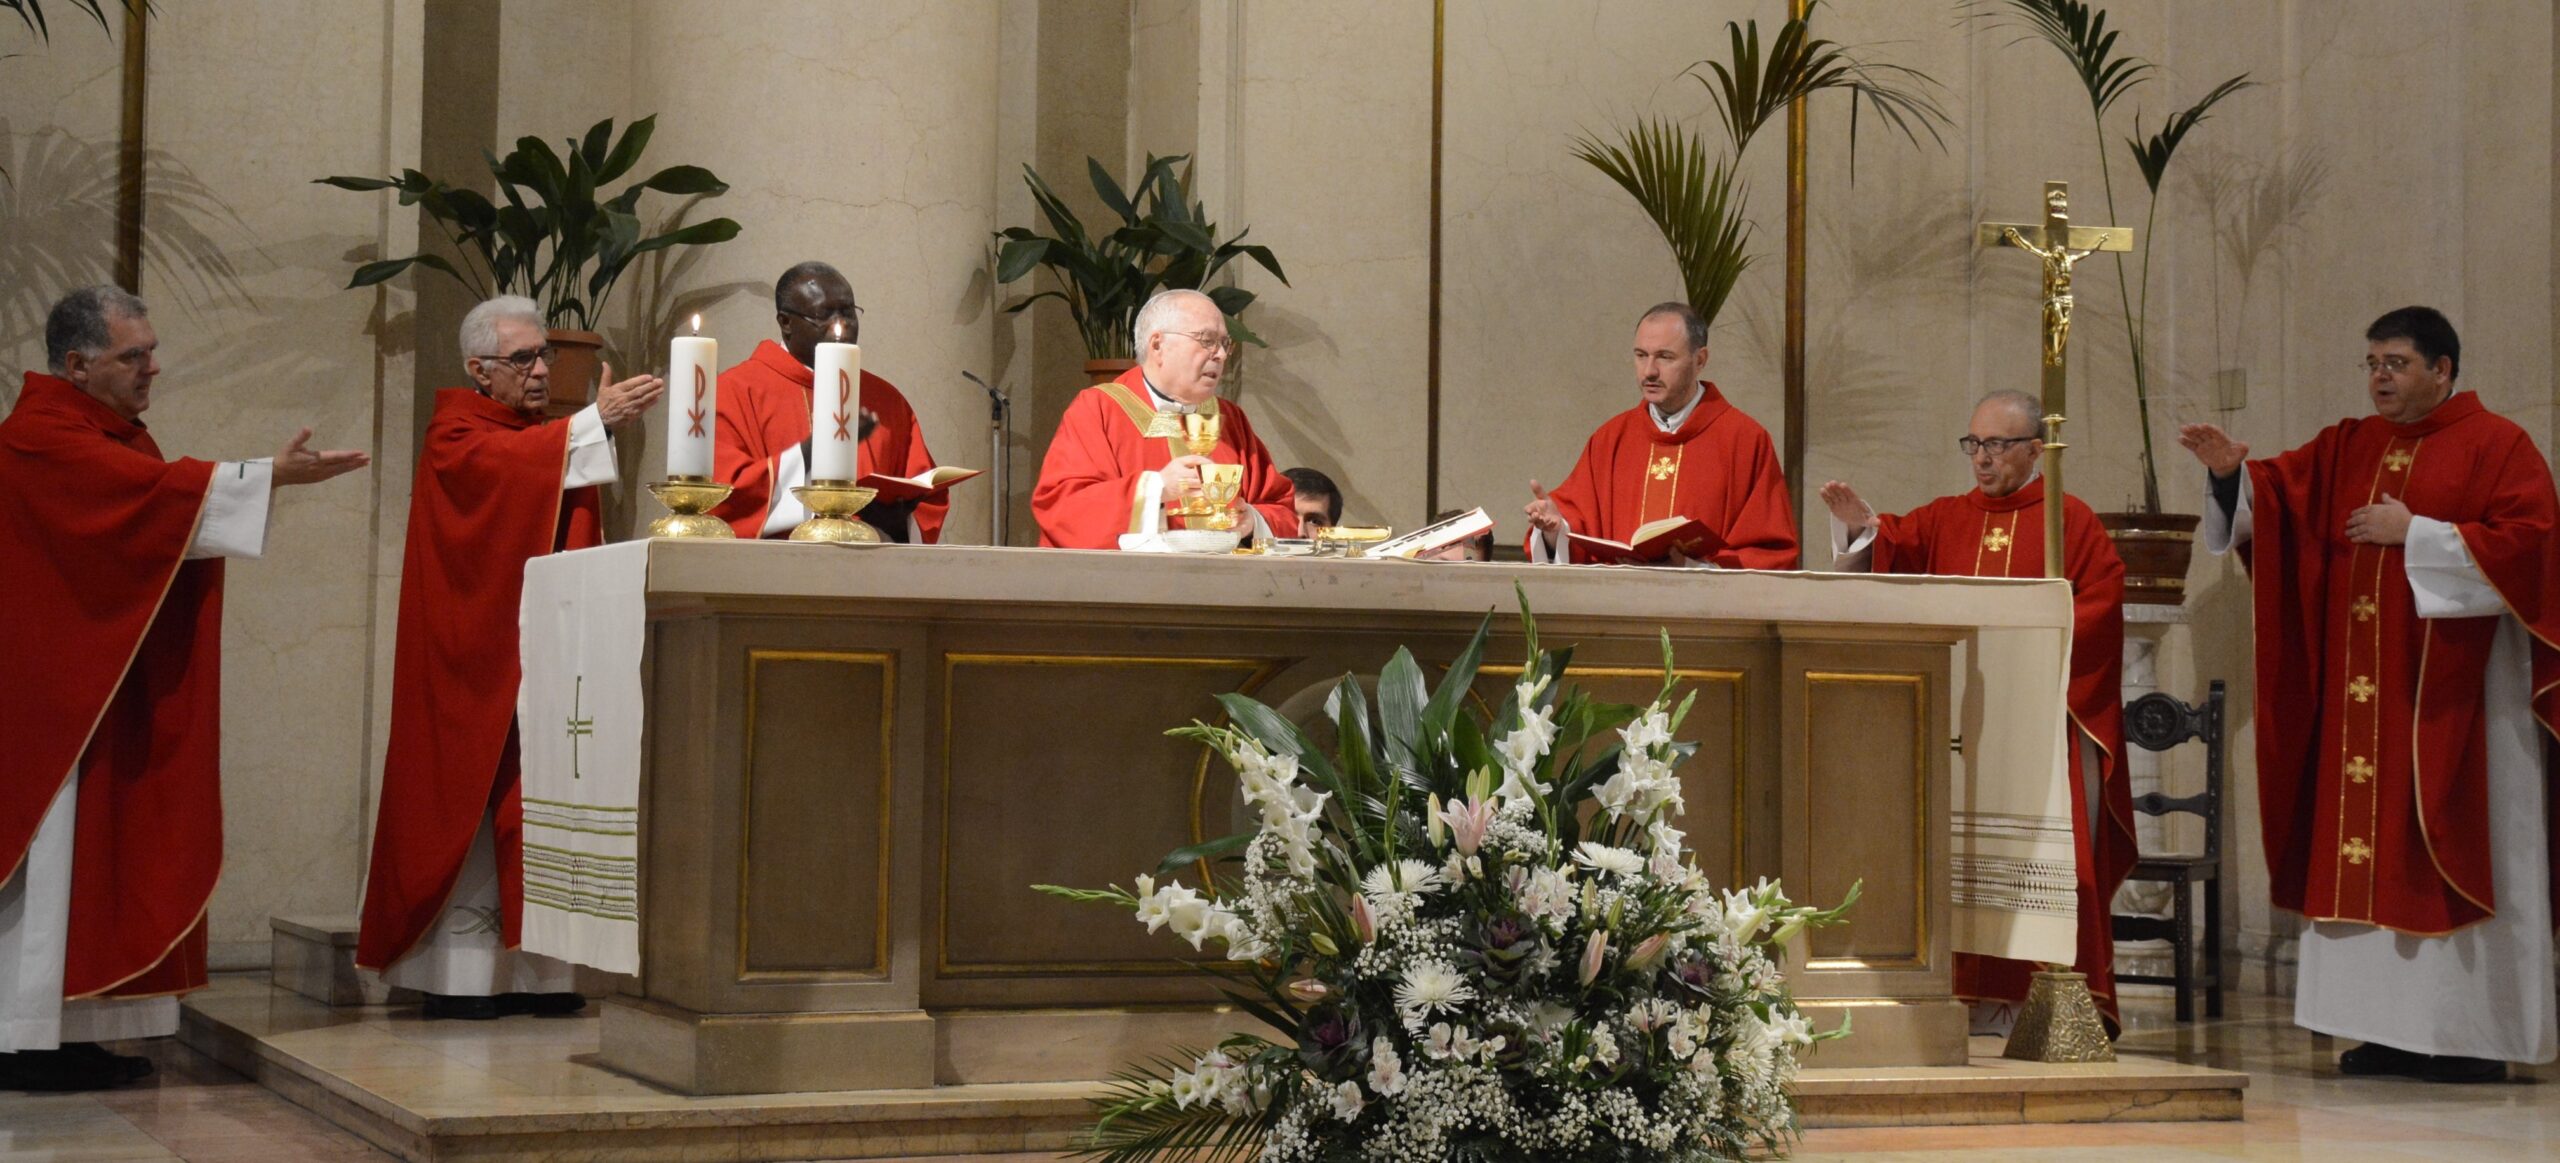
(1089, 482)
(1683, 451)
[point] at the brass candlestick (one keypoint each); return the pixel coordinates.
(689, 500)
(832, 507)
(2059, 1022)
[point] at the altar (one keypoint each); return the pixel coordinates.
(851, 763)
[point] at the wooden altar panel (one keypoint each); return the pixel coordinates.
(814, 882)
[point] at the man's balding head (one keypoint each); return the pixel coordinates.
(2008, 428)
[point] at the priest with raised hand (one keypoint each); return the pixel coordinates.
(761, 450)
(1113, 434)
(2407, 599)
(1997, 530)
(1682, 451)
(497, 486)
(110, 692)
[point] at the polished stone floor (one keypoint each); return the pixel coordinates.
(2298, 1109)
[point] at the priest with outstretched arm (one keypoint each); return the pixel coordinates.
(110, 695)
(761, 450)
(1113, 434)
(2406, 600)
(1997, 530)
(497, 486)
(1682, 451)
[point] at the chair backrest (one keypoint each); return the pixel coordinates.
(2158, 722)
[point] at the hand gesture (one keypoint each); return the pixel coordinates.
(1845, 504)
(2384, 522)
(2213, 446)
(618, 404)
(297, 465)
(1542, 512)
(1184, 470)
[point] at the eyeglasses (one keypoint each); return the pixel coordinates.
(1211, 340)
(2395, 364)
(849, 316)
(1997, 444)
(523, 361)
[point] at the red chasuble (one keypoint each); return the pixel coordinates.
(114, 662)
(1718, 468)
(1978, 536)
(1091, 474)
(764, 412)
(487, 499)
(2372, 774)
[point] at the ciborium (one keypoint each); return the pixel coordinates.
(689, 500)
(833, 506)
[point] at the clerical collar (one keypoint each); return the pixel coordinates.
(1672, 423)
(1165, 403)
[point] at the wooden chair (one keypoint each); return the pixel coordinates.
(2158, 722)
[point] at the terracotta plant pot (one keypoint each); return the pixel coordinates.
(576, 357)
(1103, 371)
(2156, 548)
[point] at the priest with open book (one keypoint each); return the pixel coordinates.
(1095, 480)
(1682, 478)
(761, 450)
(1997, 530)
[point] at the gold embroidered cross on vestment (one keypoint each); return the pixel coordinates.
(1997, 541)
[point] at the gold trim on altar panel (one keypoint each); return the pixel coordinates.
(1741, 724)
(1260, 671)
(887, 663)
(1920, 736)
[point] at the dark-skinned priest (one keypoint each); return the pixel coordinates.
(497, 485)
(1113, 434)
(2406, 603)
(762, 448)
(111, 695)
(1683, 451)
(1997, 530)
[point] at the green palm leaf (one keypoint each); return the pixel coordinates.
(2081, 34)
(1695, 202)
(2153, 155)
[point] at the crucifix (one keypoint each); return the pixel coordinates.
(2060, 245)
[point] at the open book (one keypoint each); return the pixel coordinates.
(1652, 541)
(889, 488)
(1434, 536)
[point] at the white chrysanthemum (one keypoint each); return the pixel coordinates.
(1406, 876)
(1430, 987)
(1607, 858)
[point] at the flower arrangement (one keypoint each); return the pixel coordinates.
(1478, 937)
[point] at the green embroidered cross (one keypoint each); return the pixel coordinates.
(578, 726)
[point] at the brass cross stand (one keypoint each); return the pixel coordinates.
(2059, 1022)
(2059, 244)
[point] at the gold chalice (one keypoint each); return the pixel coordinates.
(1219, 494)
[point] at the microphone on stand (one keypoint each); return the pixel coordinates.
(1000, 435)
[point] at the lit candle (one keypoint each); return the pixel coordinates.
(835, 412)
(693, 381)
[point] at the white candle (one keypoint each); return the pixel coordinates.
(835, 414)
(693, 379)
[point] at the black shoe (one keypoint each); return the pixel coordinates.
(65, 1069)
(133, 1067)
(2458, 1069)
(548, 1005)
(468, 1009)
(2375, 1059)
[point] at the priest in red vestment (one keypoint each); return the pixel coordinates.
(1997, 530)
(497, 485)
(1089, 481)
(761, 448)
(2407, 601)
(110, 692)
(1682, 451)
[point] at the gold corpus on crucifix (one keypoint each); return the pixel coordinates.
(2059, 245)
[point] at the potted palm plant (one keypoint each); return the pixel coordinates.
(1164, 241)
(2156, 545)
(548, 236)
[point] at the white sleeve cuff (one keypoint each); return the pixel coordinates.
(236, 508)
(2221, 533)
(783, 511)
(2442, 576)
(1545, 552)
(590, 451)
(1853, 555)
